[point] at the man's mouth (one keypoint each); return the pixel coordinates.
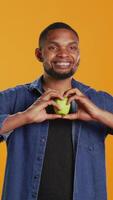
(62, 64)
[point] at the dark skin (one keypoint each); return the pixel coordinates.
(60, 56)
(63, 45)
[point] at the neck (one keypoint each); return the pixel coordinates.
(60, 85)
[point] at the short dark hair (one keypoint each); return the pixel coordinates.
(56, 25)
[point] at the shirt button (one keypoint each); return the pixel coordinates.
(90, 148)
(34, 194)
(43, 140)
(36, 176)
(39, 158)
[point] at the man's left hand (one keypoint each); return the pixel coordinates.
(86, 110)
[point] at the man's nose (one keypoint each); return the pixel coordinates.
(63, 53)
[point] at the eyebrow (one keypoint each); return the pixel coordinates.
(56, 43)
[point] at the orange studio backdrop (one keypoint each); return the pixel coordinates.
(21, 24)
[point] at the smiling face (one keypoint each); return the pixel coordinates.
(60, 54)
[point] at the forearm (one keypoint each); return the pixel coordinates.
(13, 121)
(105, 117)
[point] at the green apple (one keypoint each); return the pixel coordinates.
(63, 105)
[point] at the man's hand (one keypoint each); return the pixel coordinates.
(37, 111)
(86, 109)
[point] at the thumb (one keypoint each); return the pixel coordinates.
(71, 116)
(53, 116)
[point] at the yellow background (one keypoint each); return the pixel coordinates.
(20, 25)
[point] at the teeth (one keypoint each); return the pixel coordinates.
(63, 63)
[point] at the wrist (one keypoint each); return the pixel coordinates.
(99, 114)
(24, 117)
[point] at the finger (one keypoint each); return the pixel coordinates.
(73, 91)
(53, 103)
(74, 97)
(53, 116)
(71, 116)
(78, 92)
(50, 95)
(42, 104)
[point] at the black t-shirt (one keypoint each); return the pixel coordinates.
(58, 168)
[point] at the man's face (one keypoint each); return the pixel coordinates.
(60, 54)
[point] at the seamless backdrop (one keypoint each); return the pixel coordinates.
(20, 25)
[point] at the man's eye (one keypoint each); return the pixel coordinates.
(73, 48)
(52, 48)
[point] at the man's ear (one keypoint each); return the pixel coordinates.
(78, 60)
(38, 54)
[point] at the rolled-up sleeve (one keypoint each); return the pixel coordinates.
(7, 101)
(2, 118)
(108, 102)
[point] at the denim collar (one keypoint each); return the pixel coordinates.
(37, 85)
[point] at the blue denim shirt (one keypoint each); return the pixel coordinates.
(26, 146)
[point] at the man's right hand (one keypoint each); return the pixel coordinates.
(36, 113)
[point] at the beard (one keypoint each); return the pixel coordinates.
(60, 76)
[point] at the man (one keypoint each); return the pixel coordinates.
(50, 156)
